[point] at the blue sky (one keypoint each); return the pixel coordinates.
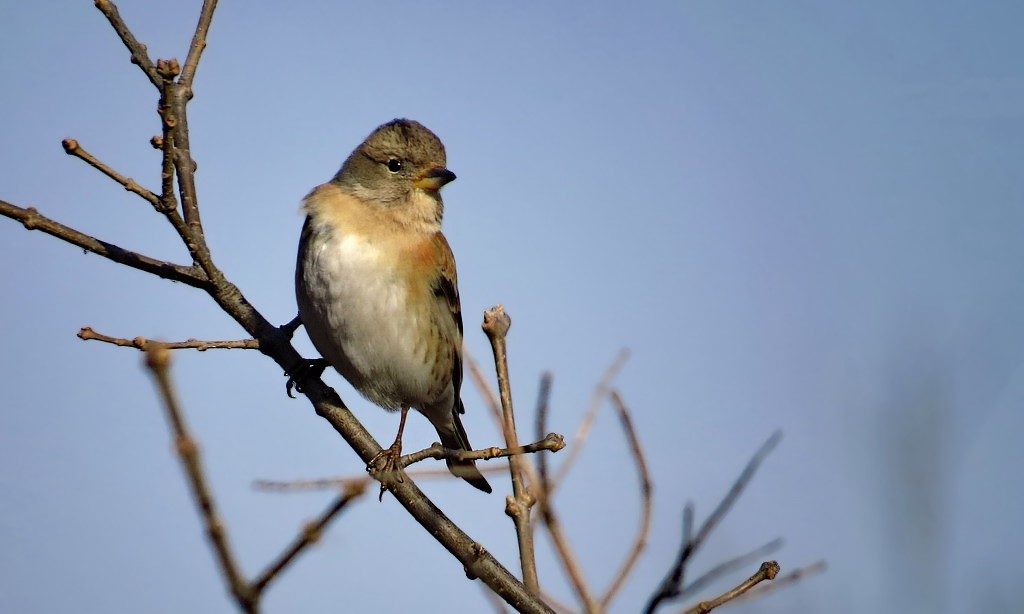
(796, 215)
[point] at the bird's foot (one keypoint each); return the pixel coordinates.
(302, 371)
(384, 466)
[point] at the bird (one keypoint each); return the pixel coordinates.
(376, 284)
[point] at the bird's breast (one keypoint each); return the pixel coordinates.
(367, 309)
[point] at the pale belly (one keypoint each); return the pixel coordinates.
(359, 313)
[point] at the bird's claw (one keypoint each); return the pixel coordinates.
(385, 467)
(302, 371)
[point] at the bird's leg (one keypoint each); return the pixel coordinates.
(301, 371)
(389, 468)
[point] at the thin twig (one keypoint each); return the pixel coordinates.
(565, 553)
(141, 343)
(310, 533)
(310, 485)
(195, 50)
(543, 402)
(688, 517)
(186, 167)
(550, 518)
(158, 360)
(137, 49)
(169, 69)
(344, 481)
(646, 500)
(671, 587)
(33, 220)
(485, 389)
(496, 325)
(165, 144)
(737, 489)
(729, 566)
(583, 432)
(73, 148)
(782, 582)
(552, 443)
(768, 571)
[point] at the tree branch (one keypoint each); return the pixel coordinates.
(552, 443)
(186, 167)
(783, 581)
(671, 586)
(198, 45)
(565, 554)
(496, 325)
(72, 148)
(158, 359)
(583, 432)
(484, 387)
(141, 343)
(309, 535)
(729, 566)
(646, 500)
(768, 571)
(137, 49)
(33, 220)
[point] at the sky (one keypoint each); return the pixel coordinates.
(795, 215)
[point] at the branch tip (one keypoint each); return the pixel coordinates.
(496, 322)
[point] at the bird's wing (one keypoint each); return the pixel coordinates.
(446, 289)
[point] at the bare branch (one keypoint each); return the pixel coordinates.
(729, 566)
(552, 443)
(782, 582)
(186, 167)
(33, 220)
(646, 502)
(308, 485)
(137, 49)
(496, 325)
(543, 399)
(165, 144)
(310, 533)
(158, 360)
(737, 489)
(141, 343)
(344, 481)
(198, 45)
(768, 571)
(485, 390)
(550, 518)
(583, 432)
(671, 586)
(565, 553)
(72, 148)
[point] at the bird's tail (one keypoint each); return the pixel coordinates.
(456, 439)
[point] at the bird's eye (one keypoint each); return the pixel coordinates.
(394, 165)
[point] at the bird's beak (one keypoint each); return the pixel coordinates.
(433, 179)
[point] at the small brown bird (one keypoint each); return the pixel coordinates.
(376, 286)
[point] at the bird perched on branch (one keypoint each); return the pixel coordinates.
(376, 286)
